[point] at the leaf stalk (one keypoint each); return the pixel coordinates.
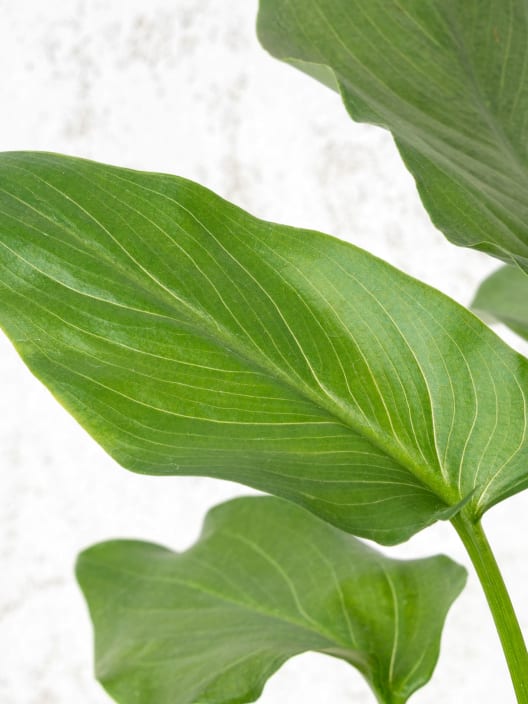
(506, 621)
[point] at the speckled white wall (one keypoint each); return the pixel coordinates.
(182, 86)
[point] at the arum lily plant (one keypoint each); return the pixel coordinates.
(191, 338)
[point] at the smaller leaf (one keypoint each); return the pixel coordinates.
(503, 296)
(266, 581)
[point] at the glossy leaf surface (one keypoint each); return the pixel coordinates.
(266, 581)
(189, 337)
(449, 78)
(504, 297)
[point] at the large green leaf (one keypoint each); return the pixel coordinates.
(504, 297)
(190, 338)
(449, 78)
(266, 581)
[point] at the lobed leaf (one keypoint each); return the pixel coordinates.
(266, 581)
(189, 337)
(504, 297)
(449, 79)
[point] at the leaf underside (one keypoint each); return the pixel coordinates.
(503, 296)
(266, 581)
(449, 79)
(189, 337)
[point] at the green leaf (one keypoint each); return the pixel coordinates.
(189, 337)
(266, 581)
(504, 297)
(449, 79)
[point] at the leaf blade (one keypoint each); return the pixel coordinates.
(190, 338)
(265, 581)
(448, 80)
(503, 296)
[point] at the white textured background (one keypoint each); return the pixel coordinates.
(182, 86)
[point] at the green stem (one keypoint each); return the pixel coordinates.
(510, 634)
